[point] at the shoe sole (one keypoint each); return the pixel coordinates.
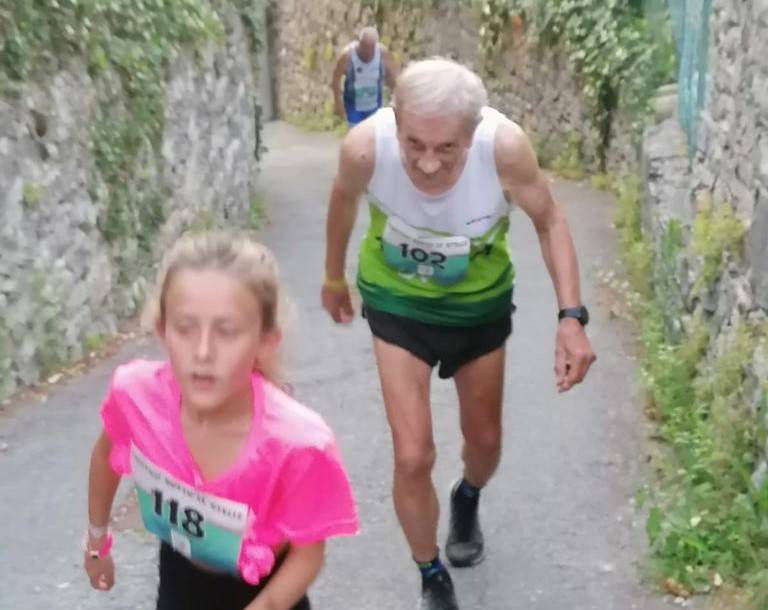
(466, 563)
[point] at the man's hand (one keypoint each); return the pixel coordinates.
(356, 161)
(573, 354)
(338, 109)
(337, 302)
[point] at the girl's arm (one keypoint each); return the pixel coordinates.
(292, 579)
(102, 486)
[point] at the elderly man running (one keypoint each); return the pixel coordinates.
(440, 170)
(364, 64)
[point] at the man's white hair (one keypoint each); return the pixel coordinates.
(369, 33)
(439, 87)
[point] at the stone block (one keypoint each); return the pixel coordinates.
(757, 249)
(761, 160)
(760, 12)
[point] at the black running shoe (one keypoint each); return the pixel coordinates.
(437, 592)
(465, 546)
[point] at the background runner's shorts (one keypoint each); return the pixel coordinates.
(451, 346)
(357, 116)
(184, 586)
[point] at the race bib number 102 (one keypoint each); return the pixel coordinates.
(204, 528)
(442, 259)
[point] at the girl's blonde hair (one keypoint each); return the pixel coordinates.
(229, 252)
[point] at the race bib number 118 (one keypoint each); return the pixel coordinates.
(205, 528)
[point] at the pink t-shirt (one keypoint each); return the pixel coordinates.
(288, 483)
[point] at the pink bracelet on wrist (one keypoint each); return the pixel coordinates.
(100, 553)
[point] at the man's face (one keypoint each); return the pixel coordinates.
(433, 149)
(366, 48)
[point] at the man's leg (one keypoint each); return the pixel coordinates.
(479, 384)
(405, 386)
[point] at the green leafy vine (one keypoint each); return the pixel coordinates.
(127, 44)
(614, 48)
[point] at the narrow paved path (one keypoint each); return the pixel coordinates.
(562, 532)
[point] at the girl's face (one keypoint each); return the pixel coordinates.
(214, 337)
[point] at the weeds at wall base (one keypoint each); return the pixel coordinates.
(707, 516)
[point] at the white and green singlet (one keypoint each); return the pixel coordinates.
(438, 259)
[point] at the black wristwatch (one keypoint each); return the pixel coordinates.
(580, 313)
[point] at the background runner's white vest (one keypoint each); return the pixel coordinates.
(470, 208)
(364, 79)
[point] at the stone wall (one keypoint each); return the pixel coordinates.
(730, 165)
(732, 160)
(62, 285)
(729, 170)
(539, 91)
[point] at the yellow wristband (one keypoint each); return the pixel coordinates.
(339, 284)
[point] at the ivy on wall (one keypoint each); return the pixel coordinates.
(620, 57)
(126, 47)
(129, 45)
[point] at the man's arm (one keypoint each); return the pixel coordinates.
(356, 161)
(525, 184)
(338, 73)
(391, 69)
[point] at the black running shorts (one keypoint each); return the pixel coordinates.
(450, 346)
(184, 586)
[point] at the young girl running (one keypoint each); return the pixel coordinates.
(241, 483)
